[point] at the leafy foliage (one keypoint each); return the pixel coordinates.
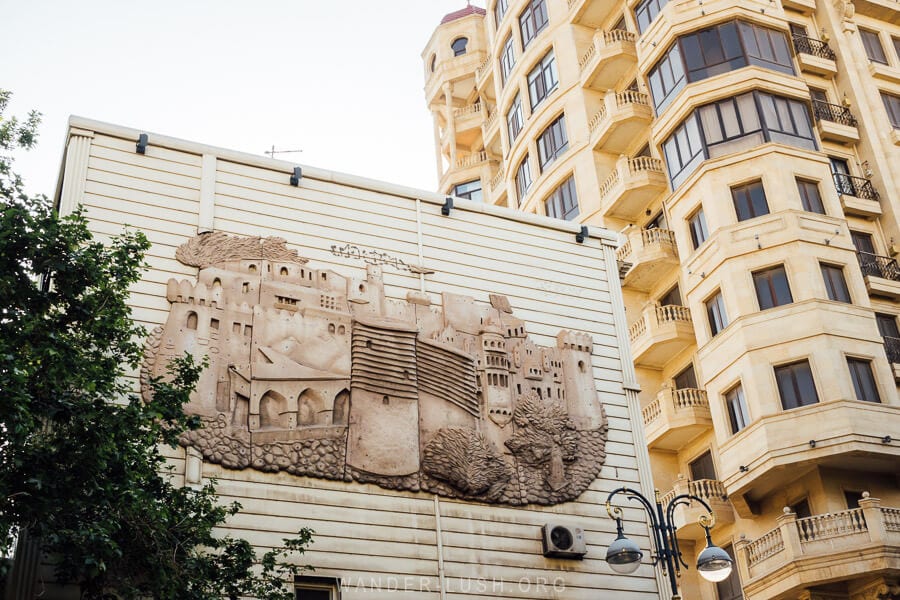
(80, 455)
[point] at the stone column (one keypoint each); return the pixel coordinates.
(787, 523)
(871, 508)
(451, 123)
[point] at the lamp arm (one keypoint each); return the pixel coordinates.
(706, 521)
(616, 513)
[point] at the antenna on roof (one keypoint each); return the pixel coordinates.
(273, 151)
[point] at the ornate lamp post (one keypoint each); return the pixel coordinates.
(624, 556)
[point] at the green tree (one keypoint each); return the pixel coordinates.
(80, 463)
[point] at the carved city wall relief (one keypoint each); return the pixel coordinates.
(316, 373)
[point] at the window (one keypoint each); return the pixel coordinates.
(733, 125)
(801, 509)
(316, 588)
(835, 284)
(646, 12)
(772, 288)
(715, 314)
(471, 190)
(887, 325)
(687, 379)
(749, 201)
(730, 589)
(810, 198)
(795, 385)
(671, 298)
(523, 178)
(667, 78)
(892, 106)
(552, 142)
(459, 46)
(532, 21)
(852, 498)
(874, 49)
(738, 415)
(514, 119)
(507, 58)
(500, 11)
(863, 380)
(562, 203)
(896, 42)
(697, 224)
(703, 467)
(542, 80)
(733, 45)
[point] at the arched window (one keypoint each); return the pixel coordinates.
(192, 320)
(459, 46)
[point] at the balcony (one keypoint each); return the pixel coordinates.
(858, 196)
(660, 333)
(468, 117)
(835, 123)
(609, 58)
(840, 434)
(675, 418)
(647, 255)
(483, 74)
(634, 183)
(815, 56)
(881, 274)
(620, 120)
(821, 549)
(712, 491)
(804, 6)
(892, 350)
(590, 12)
(469, 167)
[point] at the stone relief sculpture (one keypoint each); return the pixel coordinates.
(317, 374)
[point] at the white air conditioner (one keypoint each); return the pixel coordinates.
(563, 541)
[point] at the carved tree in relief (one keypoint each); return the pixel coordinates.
(466, 460)
(545, 436)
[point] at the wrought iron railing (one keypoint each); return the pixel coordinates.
(812, 46)
(892, 348)
(836, 113)
(854, 186)
(878, 266)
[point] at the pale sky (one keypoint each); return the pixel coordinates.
(342, 80)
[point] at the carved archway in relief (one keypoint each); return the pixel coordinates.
(273, 411)
(341, 408)
(308, 406)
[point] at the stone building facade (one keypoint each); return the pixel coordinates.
(432, 389)
(747, 153)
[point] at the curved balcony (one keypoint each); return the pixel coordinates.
(881, 274)
(835, 122)
(608, 59)
(841, 434)
(660, 333)
(815, 56)
(821, 549)
(634, 183)
(675, 418)
(590, 12)
(646, 256)
(858, 196)
(620, 120)
(687, 516)
(468, 167)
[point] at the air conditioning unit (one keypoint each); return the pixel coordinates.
(563, 541)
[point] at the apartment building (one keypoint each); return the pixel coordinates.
(749, 155)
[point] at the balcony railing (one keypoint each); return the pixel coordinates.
(814, 47)
(892, 348)
(471, 160)
(467, 110)
(682, 399)
(878, 266)
(836, 113)
(705, 489)
(824, 527)
(609, 38)
(854, 186)
(496, 179)
(669, 313)
(649, 237)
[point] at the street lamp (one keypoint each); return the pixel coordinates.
(624, 556)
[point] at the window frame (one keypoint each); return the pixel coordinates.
(524, 179)
(552, 142)
(871, 41)
(515, 118)
(828, 271)
(803, 185)
(854, 366)
(507, 58)
(700, 234)
(467, 195)
(646, 8)
(459, 51)
(557, 199)
(311, 583)
(745, 204)
(766, 283)
(716, 312)
(736, 408)
(532, 21)
(891, 104)
(500, 9)
(542, 79)
(792, 366)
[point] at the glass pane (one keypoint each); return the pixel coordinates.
(730, 42)
(690, 47)
(786, 390)
(800, 114)
(758, 200)
(805, 384)
(711, 47)
(782, 52)
(730, 119)
(764, 292)
(769, 114)
(747, 110)
(693, 133)
(887, 325)
(712, 130)
(781, 287)
(749, 39)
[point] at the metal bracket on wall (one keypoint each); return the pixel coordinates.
(582, 235)
(297, 176)
(447, 207)
(141, 146)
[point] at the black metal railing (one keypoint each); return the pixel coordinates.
(892, 348)
(836, 113)
(808, 45)
(878, 266)
(849, 185)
